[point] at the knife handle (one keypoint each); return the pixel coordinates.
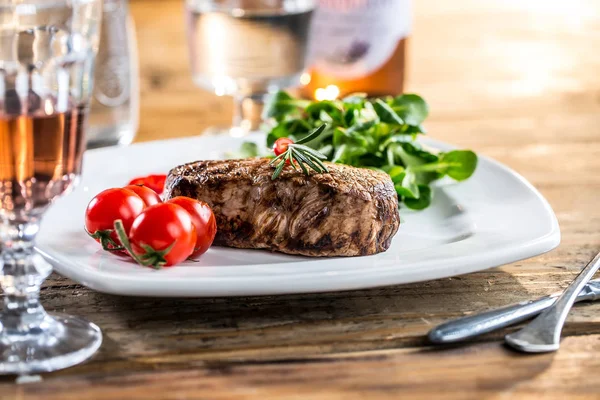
(474, 325)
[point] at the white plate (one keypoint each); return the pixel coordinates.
(494, 218)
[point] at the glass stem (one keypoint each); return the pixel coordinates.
(247, 112)
(22, 272)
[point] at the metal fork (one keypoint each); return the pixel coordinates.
(543, 333)
(474, 325)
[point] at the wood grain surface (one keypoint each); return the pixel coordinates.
(514, 80)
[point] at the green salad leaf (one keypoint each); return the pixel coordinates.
(462, 164)
(411, 107)
(379, 134)
(386, 113)
(282, 104)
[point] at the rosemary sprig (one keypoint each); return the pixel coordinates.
(298, 153)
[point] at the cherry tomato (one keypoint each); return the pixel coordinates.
(105, 208)
(154, 182)
(203, 219)
(163, 235)
(281, 145)
(148, 195)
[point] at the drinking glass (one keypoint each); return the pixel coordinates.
(114, 110)
(47, 50)
(247, 49)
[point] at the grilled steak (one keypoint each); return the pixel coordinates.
(348, 212)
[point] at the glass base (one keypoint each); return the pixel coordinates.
(60, 342)
(233, 131)
(110, 135)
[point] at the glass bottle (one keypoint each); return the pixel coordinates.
(114, 113)
(358, 46)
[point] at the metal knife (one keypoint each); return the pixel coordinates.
(478, 324)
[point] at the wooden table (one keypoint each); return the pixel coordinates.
(518, 81)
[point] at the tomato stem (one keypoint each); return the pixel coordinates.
(120, 229)
(152, 258)
(156, 258)
(106, 241)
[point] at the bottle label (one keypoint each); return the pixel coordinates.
(352, 38)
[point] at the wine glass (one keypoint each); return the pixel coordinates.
(247, 49)
(47, 50)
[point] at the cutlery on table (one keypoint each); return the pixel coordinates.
(543, 333)
(474, 325)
